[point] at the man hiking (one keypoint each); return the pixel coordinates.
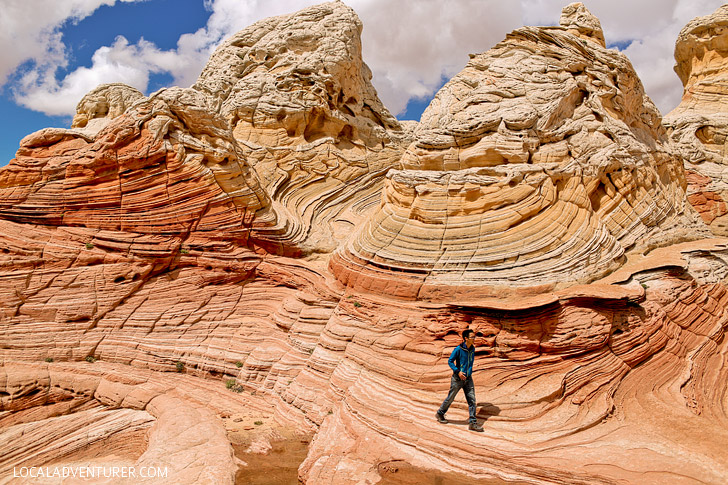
(461, 363)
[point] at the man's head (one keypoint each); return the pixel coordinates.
(468, 337)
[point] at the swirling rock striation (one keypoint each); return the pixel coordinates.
(167, 166)
(542, 162)
(698, 126)
(301, 104)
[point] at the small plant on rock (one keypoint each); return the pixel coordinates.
(184, 251)
(233, 386)
(258, 423)
(90, 358)
(357, 304)
(89, 246)
(49, 359)
(180, 366)
(238, 364)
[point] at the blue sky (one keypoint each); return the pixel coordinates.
(54, 51)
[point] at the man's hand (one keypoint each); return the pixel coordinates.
(462, 376)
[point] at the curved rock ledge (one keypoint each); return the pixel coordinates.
(168, 166)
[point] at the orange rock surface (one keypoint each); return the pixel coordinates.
(172, 260)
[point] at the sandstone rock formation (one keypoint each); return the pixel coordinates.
(180, 243)
(699, 125)
(543, 161)
(301, 105)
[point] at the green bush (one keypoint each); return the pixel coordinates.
(49, 359)
(238, 364)
(180, 366)
(89, 246)
(184, 251)
(258, 423)
(230, 384)
(357, 304)
(90, 358)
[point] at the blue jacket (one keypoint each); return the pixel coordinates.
(461, 359)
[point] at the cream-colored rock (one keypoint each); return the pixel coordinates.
(301, 103)
(102, 104)
(699, 125)
(579, 21)
(541, 163)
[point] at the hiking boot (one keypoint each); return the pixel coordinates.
(475, 427)
(441, 418)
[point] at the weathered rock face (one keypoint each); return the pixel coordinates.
(301, 104)
(543, 161)
(167, 166)
(699, 125)
(146, 238)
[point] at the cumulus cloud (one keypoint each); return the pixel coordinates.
(410, 45)
(120, 62)
(29, 31)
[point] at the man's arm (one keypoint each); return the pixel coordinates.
(451, 360)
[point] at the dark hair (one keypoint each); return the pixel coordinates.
(466, 333)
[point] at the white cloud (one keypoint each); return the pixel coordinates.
(408, 44)
(121, 62)
(29, 31)
(411, 44)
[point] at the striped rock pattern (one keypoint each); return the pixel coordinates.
(167, 167)
(699, 125)
(575, 387)
(542, 162)
(146, 237)
(301, 104)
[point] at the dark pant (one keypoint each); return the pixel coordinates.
(455, 385)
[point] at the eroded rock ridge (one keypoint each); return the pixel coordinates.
(699, 125)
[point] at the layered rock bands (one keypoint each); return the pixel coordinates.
(272, 239)
(542, 162)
